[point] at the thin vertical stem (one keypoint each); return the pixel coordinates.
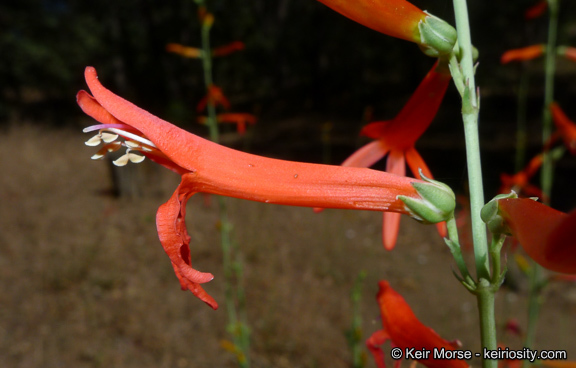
(550, 66)
(470, 111)
(485, 290)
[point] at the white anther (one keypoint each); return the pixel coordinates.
(132, 144)
(109, 137)
(123, 160)
(94, 141)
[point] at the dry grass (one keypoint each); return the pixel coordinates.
(85, 282)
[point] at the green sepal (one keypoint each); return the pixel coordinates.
(437, 37)
(436, 203)
(490, 214)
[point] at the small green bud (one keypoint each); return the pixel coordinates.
(437, 37)
(437, 202)
(490, 214)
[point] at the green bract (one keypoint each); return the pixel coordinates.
(490, 214)
(437, 37)
(437, 202)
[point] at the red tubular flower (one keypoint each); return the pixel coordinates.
(215, 97)
(568, 52)
(405, 331)
(396, 138)
(547, 235)
(536, 10)
(523, 54)
(210, 168)
(189, 52)
(519, 182)
(240, 119)
(228, 49)
(566, 127)
(396, 18)
(400, 19)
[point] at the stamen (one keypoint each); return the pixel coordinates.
(132, 136)
(110, 147)
(123, 160)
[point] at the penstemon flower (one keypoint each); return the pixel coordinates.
(240, 119)
(400, 19)
(405, 331)
(210, 168)
(397, 137)
(566, 127)
(536, 10)
(520, 182)
(523, 54)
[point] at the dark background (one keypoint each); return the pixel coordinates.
(304, 65)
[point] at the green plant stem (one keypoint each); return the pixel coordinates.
(485, 291)
(485, 294)
(237, 328)
(550, 69)
(534, 303)
(470, 110)
(521, 133)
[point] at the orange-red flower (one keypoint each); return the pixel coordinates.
(566, 127)
(405, 331)
(186, 51)
(240, 119)
(547, 235)
(214, 97)
(519, 182)
(536, 10)
(523, 54)
(228, 49)
(210, 168)
(396, 18)
(400, 19)
(396, 138)
(568, 52)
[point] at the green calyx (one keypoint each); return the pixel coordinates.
(436, 203)
(437, 37)
(491, 215)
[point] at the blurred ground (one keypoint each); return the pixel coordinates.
(85, 282)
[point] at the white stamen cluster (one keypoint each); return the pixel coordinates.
(132, 142)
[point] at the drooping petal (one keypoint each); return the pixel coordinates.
(391, 221)
(547, 235)
(373, 344)
(171, 226)
(406, 331)
(367, 155)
